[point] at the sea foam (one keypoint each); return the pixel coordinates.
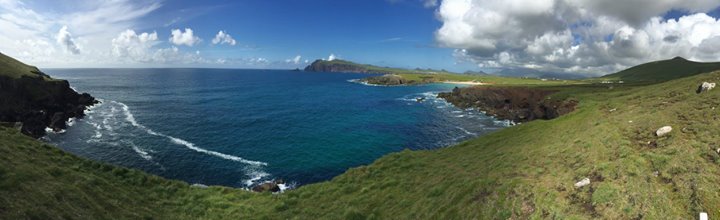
(131, 118)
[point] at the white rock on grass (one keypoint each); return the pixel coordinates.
(706, 86)
(583, 182)
(663, 131)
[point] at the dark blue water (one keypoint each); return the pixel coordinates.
(238, 127)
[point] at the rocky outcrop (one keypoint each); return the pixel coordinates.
(519, 104)
(271, 186)
(39, 102)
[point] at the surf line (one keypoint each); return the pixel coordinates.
(130, 118)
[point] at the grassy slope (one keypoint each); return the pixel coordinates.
(661, 71)
(520, 172)
(15, 69)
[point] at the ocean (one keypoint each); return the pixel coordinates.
(237, 128)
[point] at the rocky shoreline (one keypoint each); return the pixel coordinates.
(518, 104)
(38, 102)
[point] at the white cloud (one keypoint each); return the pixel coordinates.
(129, 45)
(583, 36)
(223, 37)
(295, 60)
(331, 57)
(178, 37)
(429, 3)
(65, 39)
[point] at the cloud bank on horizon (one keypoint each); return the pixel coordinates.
(577, 36)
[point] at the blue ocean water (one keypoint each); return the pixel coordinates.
(240, 127)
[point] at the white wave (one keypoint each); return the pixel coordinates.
(130, 118)
(217, 154)
(71, 122)
(466, 131)
(359, 81)
(505, 123)
(97, 127)
(91, 109)
(255, 176)
(142, 153)
(50, 130)
(287, 186)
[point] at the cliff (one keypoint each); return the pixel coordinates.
(519, 104)
(29, 96)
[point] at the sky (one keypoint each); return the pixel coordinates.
(584, 37)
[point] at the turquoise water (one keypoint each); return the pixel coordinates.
(240, 127)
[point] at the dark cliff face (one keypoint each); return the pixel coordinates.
(519, 104)
(337, 66)
(39, 103)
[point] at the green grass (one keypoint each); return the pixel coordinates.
(15, 69)
(523, 172)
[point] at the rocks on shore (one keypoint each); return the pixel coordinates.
(518, 104)
(705, 86)
(270, 186)
(663, 131)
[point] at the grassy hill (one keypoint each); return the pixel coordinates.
(15, 69)
(526, 171)
(661, 71)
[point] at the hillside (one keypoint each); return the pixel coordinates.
(526, 171)
(13, 68)
(661, 71)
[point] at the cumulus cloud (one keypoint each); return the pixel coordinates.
(132, 46)
(178, 37)
(295, 60)
(583, 36)
(65, 39)
(331, 57)
(223, 37)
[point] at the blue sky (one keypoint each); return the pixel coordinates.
(577, 37)
(381, 32)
